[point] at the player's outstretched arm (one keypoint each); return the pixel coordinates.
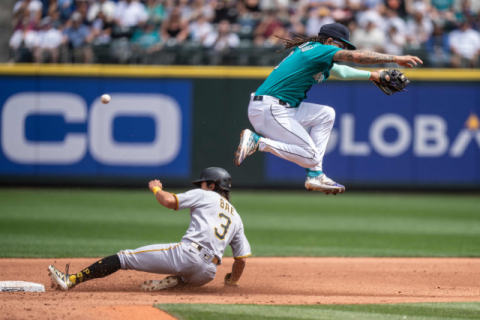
(237, 270)
(342, 72)
(166, 199)
(370, 57)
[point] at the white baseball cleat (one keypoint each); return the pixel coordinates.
(248, 145)
(60, 280)
(156, 285)
(324, 184)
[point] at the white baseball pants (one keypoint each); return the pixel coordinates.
(284, 132)
(177, 259)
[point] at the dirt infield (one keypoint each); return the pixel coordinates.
(265, 281)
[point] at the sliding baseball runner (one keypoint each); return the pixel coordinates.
(214, 225)
(279, 116)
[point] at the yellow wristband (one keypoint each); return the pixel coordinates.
(155, 189)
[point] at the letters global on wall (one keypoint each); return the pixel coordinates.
(428, 135)
(54, 126)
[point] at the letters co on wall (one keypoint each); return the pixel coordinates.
(58, 126)
(429, 135)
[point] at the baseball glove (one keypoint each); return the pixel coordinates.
(229, 282)
(391, 81)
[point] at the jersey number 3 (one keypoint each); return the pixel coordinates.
(223, 226)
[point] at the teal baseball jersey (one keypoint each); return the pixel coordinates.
(306, 65)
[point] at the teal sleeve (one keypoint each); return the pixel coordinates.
(347, 73)
(321, 55)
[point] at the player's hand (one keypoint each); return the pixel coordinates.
(407, 61)
(155, 183)
(228, 281)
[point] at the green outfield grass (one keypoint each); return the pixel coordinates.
(409, 311)
(94, 223)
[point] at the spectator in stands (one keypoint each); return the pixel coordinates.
(82, 8)
(65, 7)
(223, 39)
(369, 38)
(438, 48)
(252, 7)
(364, 17)
(155, 11)
(106, 7)
(392, 19)
(202, 8)
(33, 8)
(147, 38)
(48, 42)
(317, 19)
(78, 37)
(266, 27)
(53, 12)
(185, 10)
(398, 6)
(275, 39)
(130, 13)
(174, 30)
(466, 11)
(22, 42)
(413, 6)
(465, 46)
(102, 29)
(24, 21)
(200, 29)
(225, 10)
(273, 5)
(394, 41)
(296, 26)
(419, 30)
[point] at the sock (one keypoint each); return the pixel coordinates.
(313, 174)
(257, 137)
(99, 269)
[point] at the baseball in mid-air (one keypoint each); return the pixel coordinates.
(105, 98)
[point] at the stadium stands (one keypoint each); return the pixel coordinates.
(236, 32)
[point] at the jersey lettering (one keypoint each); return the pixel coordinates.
(305, 47)
(224, 205)
(225, 227)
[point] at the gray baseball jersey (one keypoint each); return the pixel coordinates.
(214, 225)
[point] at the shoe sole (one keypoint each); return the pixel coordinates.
(57, 283)
(240, 153)
(326, 191)
(156, 285)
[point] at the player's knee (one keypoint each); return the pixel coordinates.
(312, 161)
(329, 114)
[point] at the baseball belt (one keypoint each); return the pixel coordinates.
(280, 102)
(199, 248)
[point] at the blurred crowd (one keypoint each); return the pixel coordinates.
(445, 33)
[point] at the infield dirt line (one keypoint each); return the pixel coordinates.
(265, 281)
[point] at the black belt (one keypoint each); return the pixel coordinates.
(199, 248)
(260, 98)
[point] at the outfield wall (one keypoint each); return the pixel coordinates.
(171, 122)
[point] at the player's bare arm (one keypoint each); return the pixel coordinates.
(370, 57)
(166, 199)
(237, 270)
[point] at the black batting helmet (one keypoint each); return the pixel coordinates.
(219, 176)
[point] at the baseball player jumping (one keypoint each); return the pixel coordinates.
(214, 225)
(279, 116)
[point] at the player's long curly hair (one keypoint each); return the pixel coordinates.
(223, 193)
(299, 40)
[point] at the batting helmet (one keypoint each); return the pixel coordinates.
(219, 176)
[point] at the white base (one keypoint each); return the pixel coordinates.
(10, 286)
